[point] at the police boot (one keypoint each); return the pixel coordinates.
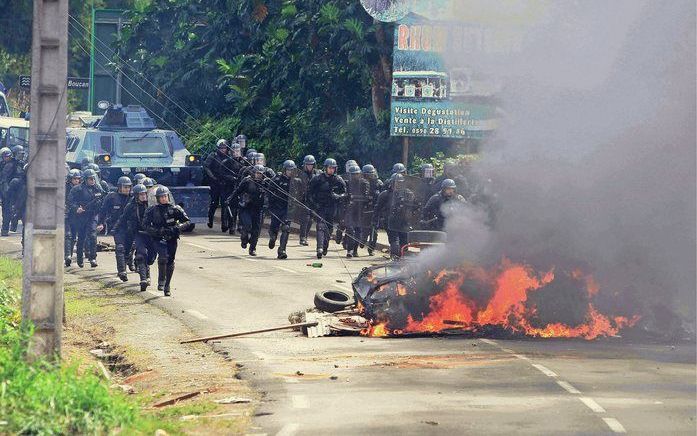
(121, 262)
(272, 240)
(339, 236)
(232, 226)
(210, 218)
(161, 276)
(282, 247)
(143, 273)
(168, 279)
(244, 239)
(355, 251)
(79, 255)
(93, 263)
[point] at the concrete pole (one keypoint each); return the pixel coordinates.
(405, 151)
(42, 295)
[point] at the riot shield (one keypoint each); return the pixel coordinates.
(425, 189)
(297, 209)
(359, 198)
(404, 207)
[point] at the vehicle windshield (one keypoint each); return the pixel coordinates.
(18, 136)
(142, 145)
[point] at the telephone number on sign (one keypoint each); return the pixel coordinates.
(428, 131)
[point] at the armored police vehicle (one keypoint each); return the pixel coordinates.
(4, 107)
(125, 141)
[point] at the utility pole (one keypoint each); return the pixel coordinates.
(42, 294)
(405, 151)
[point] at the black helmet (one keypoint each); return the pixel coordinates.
(250, 154)
(309, 160)
(259, 159)
(349, 164)
(427, 171)
(242, 140)
(94, 167)
(330, 163)
(85, 161)
(148, 182)
(399, 168)
(222, 143)
(258, 169)
(89, 172)
(5, 152)
(75, 174)
(161, 191)
(139, 189)
(289, 165)
(448, 183)
(138, 178)
(236, 149)
(124, 181)
(354, 169)
(18, 151)
(368, 169)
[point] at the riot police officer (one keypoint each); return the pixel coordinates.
(138, 178)
(112, 208)
(249, 196)
(84, 203)
(325, 192)
(232, 174)
(341, 207)
(305, 175)
(18, 153)
(130, 224)
(400, 207)
(102, 183)
(277, 203)
(212, 167)
(369, 232)
(164, 222)
(432, 216)
(74, 179)
(358, 190)
(10, 168)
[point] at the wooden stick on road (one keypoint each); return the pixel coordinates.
(252, 332)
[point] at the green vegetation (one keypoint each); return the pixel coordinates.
(42, 397)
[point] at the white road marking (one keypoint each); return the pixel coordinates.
(291, 380)
(567, 386)
(282, 268)
(614, 425)
(490, 342)
(300, 402)
(507, 350)
(200, 246)
(249, 259)
(521, 357)
(595, 407)
(544, 370)
(288, 429)
(196, 314)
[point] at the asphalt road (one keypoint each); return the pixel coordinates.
(356, 385)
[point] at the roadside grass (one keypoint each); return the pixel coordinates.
(41, 397)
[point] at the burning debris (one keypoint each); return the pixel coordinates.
(510, 299)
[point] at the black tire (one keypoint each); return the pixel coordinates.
(333, 301)
(427, 237)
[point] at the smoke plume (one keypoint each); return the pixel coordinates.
(593, 165)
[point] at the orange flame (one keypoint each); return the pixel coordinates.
(512, 284)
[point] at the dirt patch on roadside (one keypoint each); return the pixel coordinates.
(138, 347)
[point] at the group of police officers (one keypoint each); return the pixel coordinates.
(146, 224)
(142, 232)
(356, 203)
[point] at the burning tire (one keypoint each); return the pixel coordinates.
(427, 237)
(333, 301)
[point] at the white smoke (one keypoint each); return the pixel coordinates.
(594, 164)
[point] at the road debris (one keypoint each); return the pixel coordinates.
(252, 332)
(233, 400)
(178, 399)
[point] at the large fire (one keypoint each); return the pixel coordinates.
(511, 297)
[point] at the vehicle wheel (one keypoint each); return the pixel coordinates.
(193, 226)
(427, 237)
(333, 301)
